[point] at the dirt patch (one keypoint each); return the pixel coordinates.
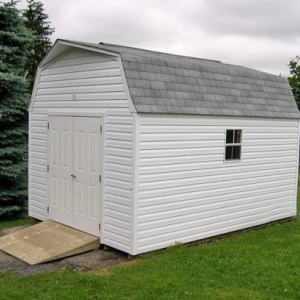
(94, 260)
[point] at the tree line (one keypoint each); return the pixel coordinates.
(24, 41)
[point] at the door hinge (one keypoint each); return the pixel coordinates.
(48, 209)
(99, 178)
(100, 128)
(99, 226)
(47, 168)
(48, 126)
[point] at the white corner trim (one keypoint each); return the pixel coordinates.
(29, 164)
(48, 183)
(103, 176)
(135, 184)
(297, 170)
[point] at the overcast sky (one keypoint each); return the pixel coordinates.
(260, 34)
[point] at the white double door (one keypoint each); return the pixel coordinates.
(74, 156)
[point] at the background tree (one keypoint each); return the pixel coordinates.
(294, 79)
(14, 42)
(36, 21)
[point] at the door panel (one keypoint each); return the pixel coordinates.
(86, 168)
(75, 164)
(60, 169)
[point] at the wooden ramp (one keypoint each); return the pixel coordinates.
(47, 241)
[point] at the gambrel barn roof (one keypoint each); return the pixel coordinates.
(174, 84)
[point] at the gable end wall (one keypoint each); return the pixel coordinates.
(86, 82)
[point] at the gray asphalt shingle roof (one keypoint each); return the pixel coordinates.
(166, 83)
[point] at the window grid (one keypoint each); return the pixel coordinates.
(233, 145)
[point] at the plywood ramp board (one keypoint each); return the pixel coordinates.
(47, 241)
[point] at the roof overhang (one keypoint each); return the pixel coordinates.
(61, 46)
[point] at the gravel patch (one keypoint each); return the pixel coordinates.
(93, 260)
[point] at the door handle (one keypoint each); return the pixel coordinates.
(74, 176)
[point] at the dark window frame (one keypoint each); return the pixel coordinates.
(233, 144)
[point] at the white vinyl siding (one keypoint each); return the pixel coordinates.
(188, 192)
(38, 165)
(86, 82)
(118, 181)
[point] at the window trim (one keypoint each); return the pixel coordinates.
(233, 144)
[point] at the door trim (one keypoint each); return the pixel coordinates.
(103, 151)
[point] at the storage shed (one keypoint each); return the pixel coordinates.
(145, 149)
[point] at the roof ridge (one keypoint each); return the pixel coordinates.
(159, 52)
(166, 55)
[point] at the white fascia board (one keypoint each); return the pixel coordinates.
(34, 90)
(85, 47)
(53, 53)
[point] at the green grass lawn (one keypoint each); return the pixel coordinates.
(259, 264)
(14, 223)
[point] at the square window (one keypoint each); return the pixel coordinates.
(233, 146)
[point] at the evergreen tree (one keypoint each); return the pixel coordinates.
(294, 79)
(36, 22)
(14, 42)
